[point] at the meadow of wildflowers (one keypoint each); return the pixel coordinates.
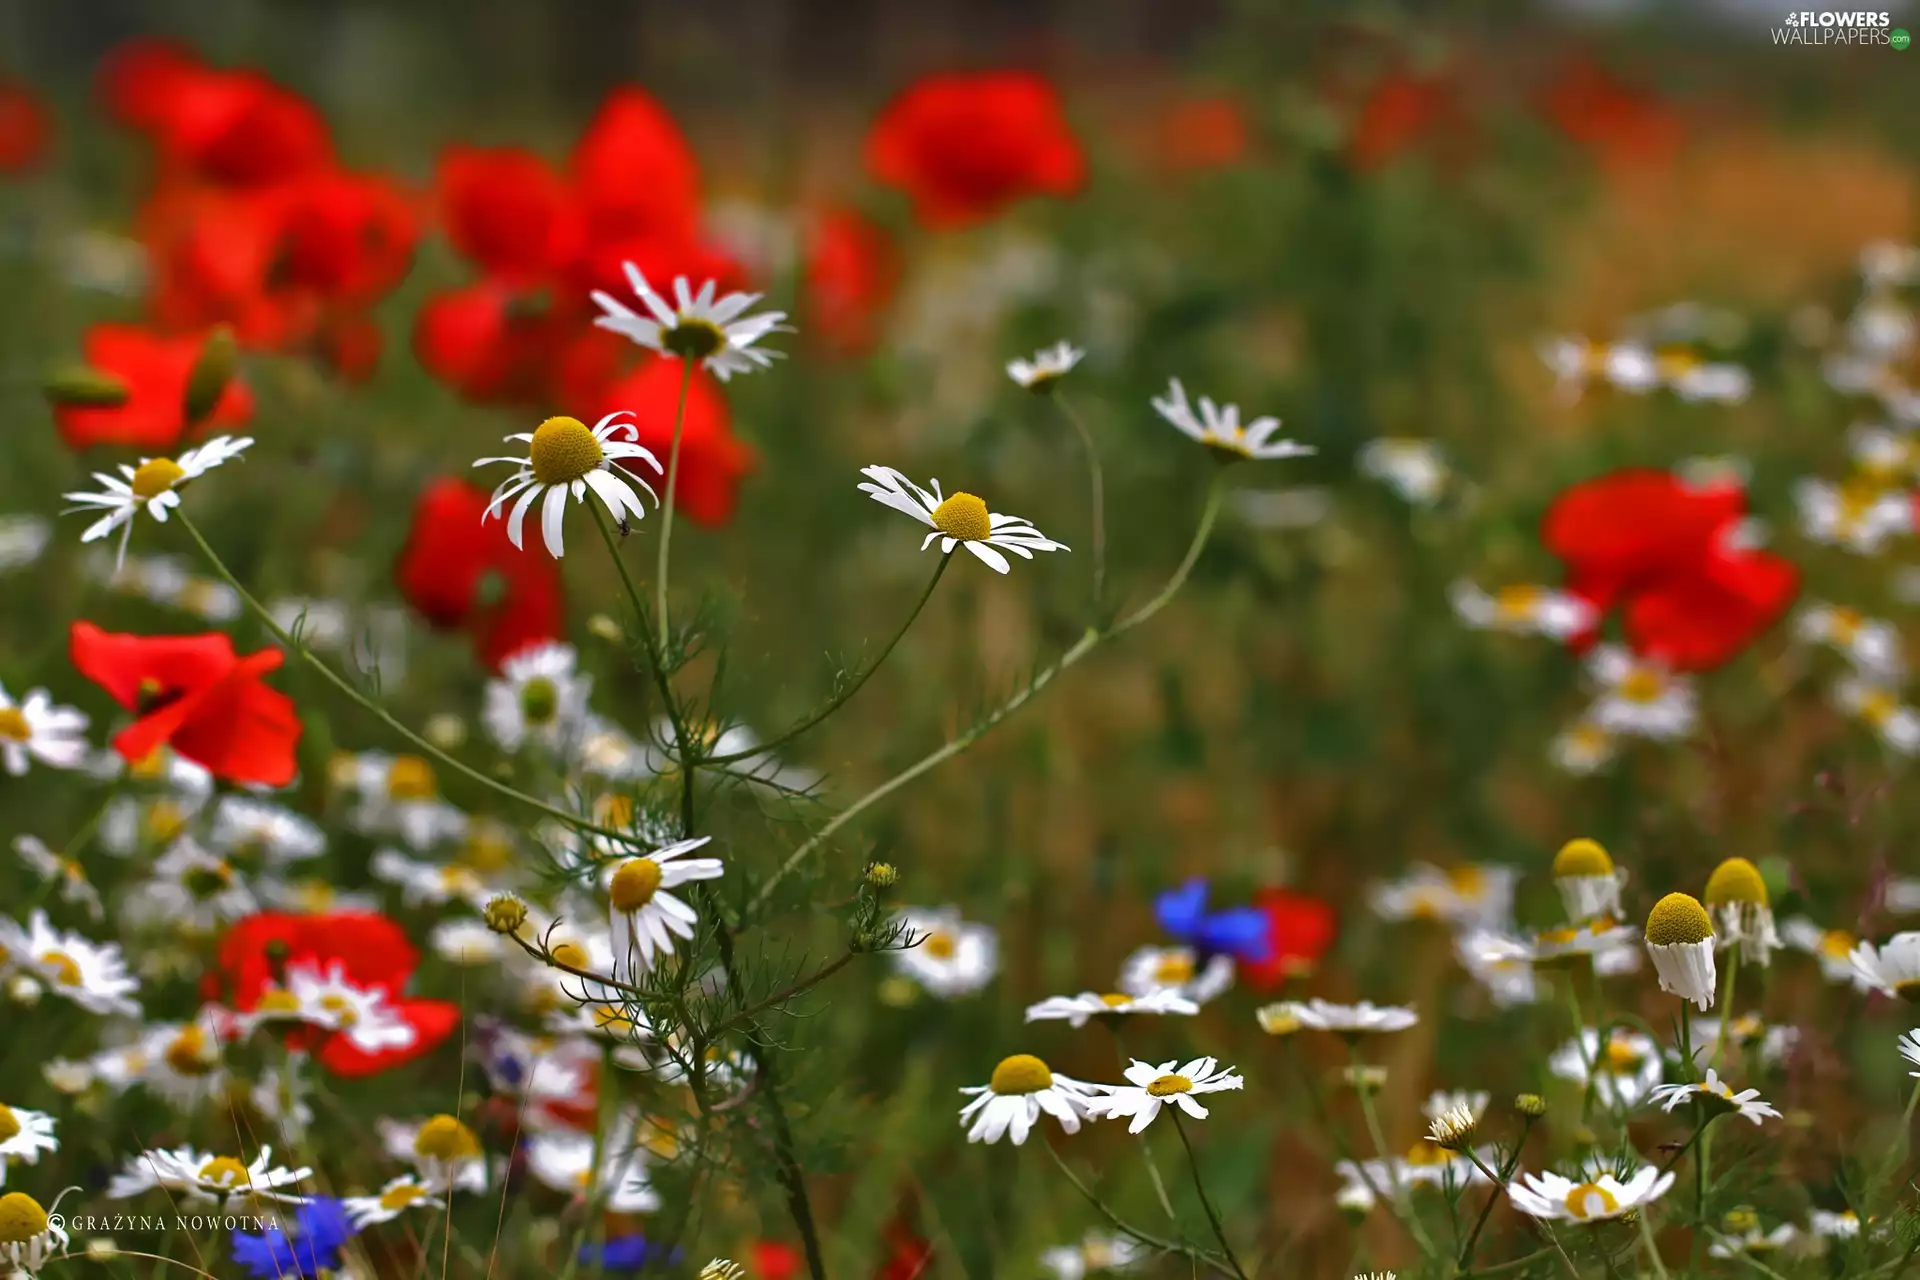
(1274, 650)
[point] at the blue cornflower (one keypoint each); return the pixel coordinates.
(628, 1253)
(1245, 933)
(312, 1245)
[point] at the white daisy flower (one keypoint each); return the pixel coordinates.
(564, 1160)
(1736, 895)
(331, 999)
(1451, 1126)
(1010, 1103)
(1754, 1240)
(1149, 1088)
(196, 890)
(541, 696)
(1575, 361)
(1150, 969)
(28, 1237)
(1588, 882)
(208, 1179)
(1894, 722)
(1048, 366)
(1466, 896)
(1090, 1004)
(1522, 610)
(1414, 469)
(1893, 969)
(1218, 428)
(1680, 942)
(153, 487)
(395, 1198)
(1097, 1252)
(1825, 1224)
(257, 835)
(643, 917)
(1443, 1102)
(22, 540)
(91, 974)
(180, 1061)
(437, 883)
(1716, 1093)
(1832, 948)
(954, 957)
(1695, 380)
(75, 888)
(445, 1153)
(565, 457)
(1640, 697)
(961, 519)
(1583, 748)
(718, 333)
(1909, 1045)
(1859, 515)
(24, 1135)
(1355, 1019)
(1554, 1198)
(1624, 1071)
(468, 942)
(1902, 894)
(398, 795)
(1499, 963)
(36, 729)
(1768, 1045)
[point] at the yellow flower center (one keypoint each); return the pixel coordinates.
(445, 1138)
(1167, 1086)
(340, 1009)
(539, 700)
(277, 1000)
(1022, 1073)
(1114, 1000)
(225, 1171)
(694, 339)
(614, 811)
(486, 849)
(1845, 625)
(21, 1218)
(65, 968)
(635, 883)
(965, 517)
(1622, 1057)
(1674, 362)
(1736, 880)
(164, 821)
(1427, 1154)
(1858, 494)
(207, 879)
(940, 944)
(611, 1020)
(155, 477)
(1517, 603)
(401, 1196)
(1173, 970)
(411, 778)
(1877, 707)
(188, 1055)
(1470, 881)
(1591, 1201)
(1642, 685)
(1582, 857)
(1837, 944)
(149, 766)
(1678, 918)
(571, 954)
(13, 724)
(9, 1125)
(564, 449)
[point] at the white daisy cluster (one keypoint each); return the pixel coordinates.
(1663, 350)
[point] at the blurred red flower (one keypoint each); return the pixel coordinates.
(908, 1255)
(713, 460)
(155, 371)
(460, 573)
(195, 694)
(362, 955)
(964, 145)
(25, 129)
(1619, 125)
(230, 128)
(852, 270)
(776, 1260)
(1399, 111)
(634, 175)
(1200, 134)
(508, 212)
(1302, 929)
(1671, 555)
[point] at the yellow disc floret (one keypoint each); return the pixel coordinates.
(9, 1124)
(13, 724)
(1736, 880)
(1581, 858)
(965, 517)
(21, 1218)
(635, 883)
(225, 1171)
(563, 450)
(411, 778)
(155, 477)
(445, 1138)
(1022, 1073)
(1678, 919)
(401, 1196)
(1589, 1200)
(1168, 1085)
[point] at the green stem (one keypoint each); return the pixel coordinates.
(1500, 1268)
(379, 712)
(1099, 498)
(1726, 1006)
(666, 506)
(1500, 1188)
(1402, 1202)
(1081, 648)
(1206, 1201)
(1123, 1227)
(1653, 1250)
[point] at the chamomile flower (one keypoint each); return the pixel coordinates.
(395, 1198)
(28, 1237)
(1522, 609)
(153, 486)
(1076, 1010)
(1582, 748)
(1825, 1224)
(1909, 1045)
(91, 974)
(644, 917)
(716, 331)
(1832, 948)
(24, 1135)
(1872, 646)
(565, 456)
(1451, 1125)
(1588, 882)
(1680, 942)
(1893, 969)
(1859, 515)
(1499, 963)
(1150, 969)
(1553, 1198)
(1098, 1251)
(540, 696)
(959, 519)
(1012, 1100)
(75, 888)
(1467, 896)
(1640, 697)
(1149, 1088)
(437, 883)
(36, 729)
(444, 1152)
(1414, 469)
(180, 1061)
(953, 957)
(257, 835)
(1894, 722)
(1736, 895)
(1716, 1093)
(1623, 1071)
(1355, 1019)
(1048, 366)
(194, 889)
(204, 1178)
(1218, 428)
(398, 795)
(565, 1160)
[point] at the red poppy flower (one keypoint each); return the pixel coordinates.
(25, 128)
(1701, 620)
(1400, 110)
(908, 1255)
(460, 573)
(852, 270)
(712, 459)
(1202, 133)
(364, 957)
(1302, 929)
(776, 1260)
(155, 371)
(142, 77)
(351, 346)
(507, 211)
(964, 146)
(1619, 125)
(195, 694)
(634, 175)
(491, 342)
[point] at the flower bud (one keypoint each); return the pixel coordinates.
(505, 914)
